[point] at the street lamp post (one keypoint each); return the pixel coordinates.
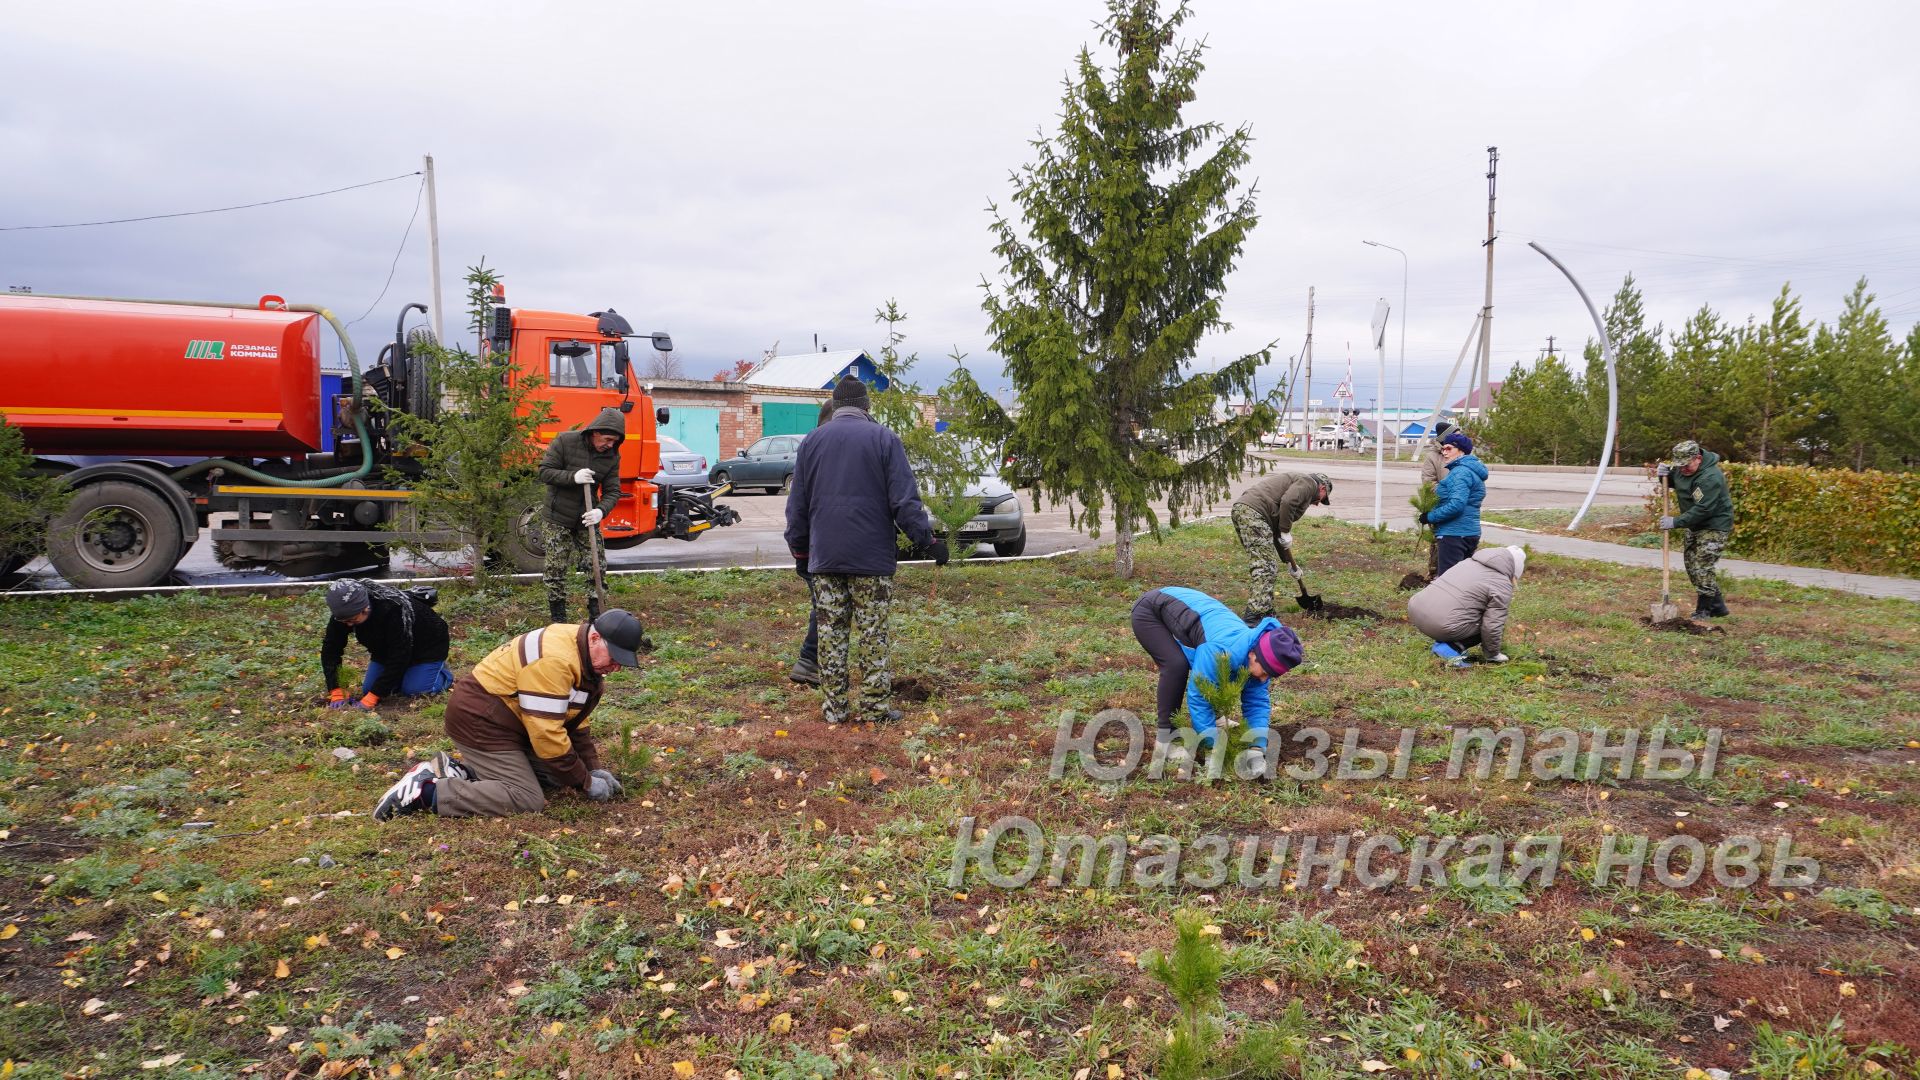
(1400, 394)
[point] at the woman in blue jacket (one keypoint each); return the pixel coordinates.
(1186, 631)
(1456, 519)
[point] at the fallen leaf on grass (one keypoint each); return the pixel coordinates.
(724, 939)
(275, 1032)
(1374, 1065)
(1721, 1023)
(396, 952)
(280, 969)
(94, 1005)
(167, 1062)
(8, 931)
(781, 1024)
(683, 1068)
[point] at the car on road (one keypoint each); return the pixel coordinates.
(997, 520)
(767, 464)
(679, 466)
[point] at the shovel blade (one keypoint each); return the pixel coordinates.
(1663, 612)
(1310, 603)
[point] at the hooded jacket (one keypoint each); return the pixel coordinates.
(1224, 634)
(1281, 499)
(1470, 600)
(1705, 502)
(852, 488)
(1461, 492)
(569, 453)
(537, 692)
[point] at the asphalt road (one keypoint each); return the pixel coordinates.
(756, 540)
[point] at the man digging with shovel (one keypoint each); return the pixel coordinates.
(577, 462)
(1707, 514)
(1263, 518)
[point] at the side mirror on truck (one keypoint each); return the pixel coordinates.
(620, 358)
(660, 415)
(662, 341)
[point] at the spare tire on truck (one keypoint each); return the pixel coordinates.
(115, 534)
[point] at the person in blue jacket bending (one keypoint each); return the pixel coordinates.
(1186, 631)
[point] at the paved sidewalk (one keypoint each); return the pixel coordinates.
(1576, 548)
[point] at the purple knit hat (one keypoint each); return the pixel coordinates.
(1278, 651)
(1458, 441)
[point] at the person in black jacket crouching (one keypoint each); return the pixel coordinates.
(406, 639)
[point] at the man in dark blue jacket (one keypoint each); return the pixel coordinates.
(852, 490)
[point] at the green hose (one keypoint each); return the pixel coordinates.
(359, 414)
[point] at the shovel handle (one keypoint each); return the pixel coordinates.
(1666, 563)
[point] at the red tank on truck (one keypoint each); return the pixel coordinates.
(163, 416)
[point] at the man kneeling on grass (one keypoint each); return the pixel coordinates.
(519, 722)
(1467, 605)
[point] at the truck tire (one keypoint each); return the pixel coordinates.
(524, 547)
(115, 534)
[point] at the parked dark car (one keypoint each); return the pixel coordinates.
(998, 521)
(679, 466)
(767, 464)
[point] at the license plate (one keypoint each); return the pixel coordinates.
(977, 525)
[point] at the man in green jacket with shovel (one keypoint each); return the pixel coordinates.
(576, 462)
(1263, 518)
(1706, 512)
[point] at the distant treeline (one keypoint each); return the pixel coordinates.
(1770, 391)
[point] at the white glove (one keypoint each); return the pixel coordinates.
(1497, 658)
(591, 517)
(600, 787)
(1662, 469)
(612, 781)
(584, 476)
(1298, 574)
(1286, 540)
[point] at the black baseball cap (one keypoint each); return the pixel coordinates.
(620, 629)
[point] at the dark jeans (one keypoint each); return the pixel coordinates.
(810, 648)
(1161, 624)
(1453, 549)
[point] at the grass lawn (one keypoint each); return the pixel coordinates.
(1630, 525)
(193, 885)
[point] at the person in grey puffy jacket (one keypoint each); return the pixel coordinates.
(1467, 605)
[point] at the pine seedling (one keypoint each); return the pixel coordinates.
(1191, 973)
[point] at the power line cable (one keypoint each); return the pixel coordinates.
(396, 255)
(215, 210)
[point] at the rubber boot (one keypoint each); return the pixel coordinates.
(805, 671)
(1718, 606)
(1702, 607)
(556, 611)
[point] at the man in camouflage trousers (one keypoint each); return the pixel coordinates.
(576, 462)
(1706, 512)
(1263, 518)
(852, 491)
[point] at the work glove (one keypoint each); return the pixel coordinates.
(1298, 574)
(368, 703)
(337, 699)
(939, 552)
(1422, 519)
(612, 781)
(1286, 540)
(1497, 658)
(583, 476)
(1666, 523)
(600, 786)
(1662, 469)
(591, 517)
(800, 564)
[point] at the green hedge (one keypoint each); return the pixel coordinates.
(1864, 521)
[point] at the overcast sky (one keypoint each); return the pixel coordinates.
(745, 173)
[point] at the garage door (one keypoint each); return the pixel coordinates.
(788, 418)
(698, 428)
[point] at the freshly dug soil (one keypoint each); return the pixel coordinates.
(1333, 612)
(911, 689)
(1681, 626)
(1413, 581)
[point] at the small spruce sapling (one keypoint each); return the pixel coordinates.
(1191, 973)
(1423, 500)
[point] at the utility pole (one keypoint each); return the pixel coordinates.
(433, 254)
(1550, 349)
(1306, 402)
(1483, 370)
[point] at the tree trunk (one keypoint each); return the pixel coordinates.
(1123, 547)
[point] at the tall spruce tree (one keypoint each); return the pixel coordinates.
(1538, 417)
(1638, 357)
(1112, 276)
(1857, 367)
(1770, 380)
(1683, 400)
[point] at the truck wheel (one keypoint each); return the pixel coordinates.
(524, 546)
(1012, 547)
(114, 534)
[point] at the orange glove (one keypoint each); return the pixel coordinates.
(370, 701)
(336, 698)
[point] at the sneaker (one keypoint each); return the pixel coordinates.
(444, 767)
(1446, 652)
(409, 794)
(805, 671)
